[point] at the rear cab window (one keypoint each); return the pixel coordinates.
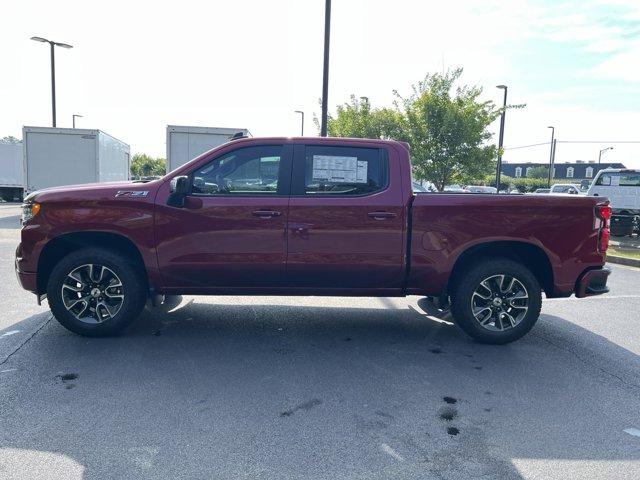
(619, 179)
(341, 171)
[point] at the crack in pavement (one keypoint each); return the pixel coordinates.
(586, 362)
(46, 322)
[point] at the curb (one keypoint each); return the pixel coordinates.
(630, 262)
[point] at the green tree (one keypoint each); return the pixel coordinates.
(357, 119)
(539, 172)
(10, 139)
(448, 130)
(143, 165)
(446, 127)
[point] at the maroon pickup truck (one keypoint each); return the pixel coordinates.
(307, 216)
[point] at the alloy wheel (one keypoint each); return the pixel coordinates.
(500, 302)
(92, 293)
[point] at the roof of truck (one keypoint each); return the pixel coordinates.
(328, 140)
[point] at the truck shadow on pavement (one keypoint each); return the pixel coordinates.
(282, 391)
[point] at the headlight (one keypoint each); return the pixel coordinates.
(30, 210)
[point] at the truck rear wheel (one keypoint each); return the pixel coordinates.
(496, 301)
(96, 292)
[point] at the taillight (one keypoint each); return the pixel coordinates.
(603, 213)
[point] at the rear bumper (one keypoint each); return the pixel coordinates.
(592, 282)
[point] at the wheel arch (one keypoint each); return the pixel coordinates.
(60, 246)
(528, 254)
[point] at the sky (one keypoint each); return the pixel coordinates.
(139, 66)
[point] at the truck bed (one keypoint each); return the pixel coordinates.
(446, 226)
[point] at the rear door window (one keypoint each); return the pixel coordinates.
(343, 171)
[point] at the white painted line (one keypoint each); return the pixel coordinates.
(594, 297)
(11, 332)
(633, 431)
(390, 451)
(9, 370)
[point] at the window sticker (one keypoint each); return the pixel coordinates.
(337, 169)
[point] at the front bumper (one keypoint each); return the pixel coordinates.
(592, 282)
(27, 280)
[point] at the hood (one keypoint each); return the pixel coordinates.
(85, 190)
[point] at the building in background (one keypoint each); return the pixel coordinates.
(574, 172)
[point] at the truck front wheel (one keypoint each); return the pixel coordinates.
(96, 292)
(496, 301)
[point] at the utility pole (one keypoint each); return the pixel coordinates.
(551, 151)
(553, 158)
(501, 137)
(301, 122)
(325, 71)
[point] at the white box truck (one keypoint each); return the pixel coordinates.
(67, 156)
(11, 171)
(186, 143)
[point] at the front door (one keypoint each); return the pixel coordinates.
(231, 231)
(346, 219)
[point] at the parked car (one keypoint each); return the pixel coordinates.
(338, 218)
(622, 187)
(455, 189)
(542, 190)
(565, 188)
(419, 188)
(481, 189)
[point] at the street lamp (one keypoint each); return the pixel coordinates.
(53, 71)
(551, 159)
(301, 122)
(601, 152)
(325, 71)
(74, 119)
(501, 137)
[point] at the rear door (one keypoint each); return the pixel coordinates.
(346, 218)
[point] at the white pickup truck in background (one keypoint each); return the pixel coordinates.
(622, 188)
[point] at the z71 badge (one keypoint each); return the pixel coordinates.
(132, 193)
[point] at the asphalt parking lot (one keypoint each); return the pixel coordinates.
(275, 387)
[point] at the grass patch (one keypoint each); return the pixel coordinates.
(623, 253)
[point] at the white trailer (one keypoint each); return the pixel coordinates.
(186, 143)
(11, 171)
(68, 156)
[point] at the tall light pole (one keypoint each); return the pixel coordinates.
(301, 122)
(73, 119)
(325, 71)
(53, 71)
(553, 132)
(601, 152)
(501, 137)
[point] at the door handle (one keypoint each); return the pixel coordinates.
(381, 215)
(266, 213)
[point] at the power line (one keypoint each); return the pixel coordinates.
(597, 141)
(528, 146)
(574, 141)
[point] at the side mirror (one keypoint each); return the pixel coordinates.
(179, 189)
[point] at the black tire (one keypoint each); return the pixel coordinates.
(133, 288)
(463, 296)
